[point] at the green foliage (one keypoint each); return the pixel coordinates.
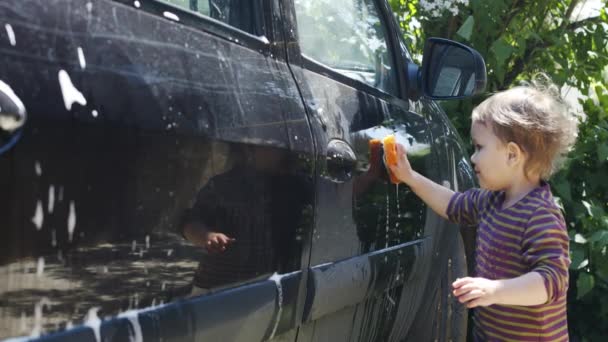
(517, 39)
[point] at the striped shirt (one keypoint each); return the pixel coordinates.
(529, 236)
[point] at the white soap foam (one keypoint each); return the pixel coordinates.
(83, 62)
(11, 34)
(51, 204)
(133, 317)
(70, 94)
(71, 220)
(93, 321)
(38, 218)
(264, 39)
(276, 278)
(40, 267)
(37, 330)
(171, 16)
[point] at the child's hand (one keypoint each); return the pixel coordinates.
(475, 291)
(403, 170)
(216, 242)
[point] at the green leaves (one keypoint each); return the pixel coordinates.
(466, 30)
(602, 152)
(577, 256)
(502, 51)
(563, 189)
(584, 284)
(600, 238)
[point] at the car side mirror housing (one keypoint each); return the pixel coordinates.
(450, 70)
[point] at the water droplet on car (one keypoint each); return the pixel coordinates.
(40, 267)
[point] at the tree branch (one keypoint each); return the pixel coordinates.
(520, 63)
(569, 12)
(451, 27)
(583, 23)
(512, 14)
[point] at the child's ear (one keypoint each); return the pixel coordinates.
(515, 153)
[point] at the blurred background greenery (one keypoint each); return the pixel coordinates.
(568, 40)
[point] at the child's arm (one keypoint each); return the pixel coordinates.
(545, 245)
(434, 195)
(526, 290)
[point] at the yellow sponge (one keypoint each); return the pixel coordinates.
(390, 156)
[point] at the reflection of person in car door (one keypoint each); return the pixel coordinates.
(244, 219)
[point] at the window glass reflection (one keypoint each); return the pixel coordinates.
(244, 220)
(242, 14)
(349, 37)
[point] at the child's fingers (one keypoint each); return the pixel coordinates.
(400, 150)
(474, 294)
(462, 281)
(222, 239)
(463, 289)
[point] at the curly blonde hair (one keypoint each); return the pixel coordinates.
(536, 118)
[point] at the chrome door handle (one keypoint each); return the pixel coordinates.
(341, 161)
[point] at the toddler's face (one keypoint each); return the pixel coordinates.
(490, 158)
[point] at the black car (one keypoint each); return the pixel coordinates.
(210, 170)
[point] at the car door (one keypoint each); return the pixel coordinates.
(145, 117)
(370, 248)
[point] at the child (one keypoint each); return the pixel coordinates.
(519, 291)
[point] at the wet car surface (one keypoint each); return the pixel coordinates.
(128, 125)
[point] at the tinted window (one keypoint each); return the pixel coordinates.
(349, 37)
(242, 14)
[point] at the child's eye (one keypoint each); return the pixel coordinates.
(478, 147)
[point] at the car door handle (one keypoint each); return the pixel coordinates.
(341, 161)
(12, 117)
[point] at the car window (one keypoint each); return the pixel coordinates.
(241, 14)
(349, 37)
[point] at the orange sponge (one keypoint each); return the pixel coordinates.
(390, 150)
(390, 156)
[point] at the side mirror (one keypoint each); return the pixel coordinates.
(450, 70)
